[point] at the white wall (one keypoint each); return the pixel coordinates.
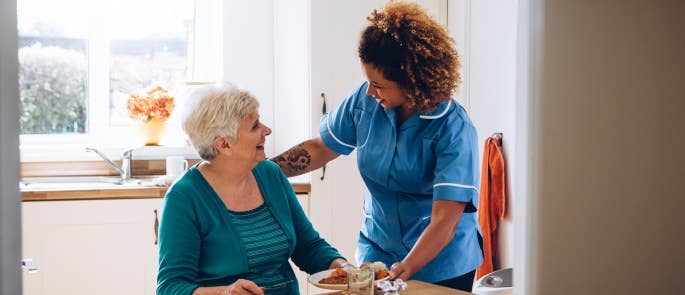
(608, 106)
(291, 74)
(485, 31)
(207, 50)
(248, 50)
(10, 227)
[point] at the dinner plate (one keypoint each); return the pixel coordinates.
(315, 278)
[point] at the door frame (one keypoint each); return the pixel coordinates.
(10, 198)
(526, 176)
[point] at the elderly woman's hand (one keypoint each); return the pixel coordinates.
(342, 263)
(243, 287)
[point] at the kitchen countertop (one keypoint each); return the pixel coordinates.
(29, 194)
(416, 287)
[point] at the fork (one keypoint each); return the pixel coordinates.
(277, 286)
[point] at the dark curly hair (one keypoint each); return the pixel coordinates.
(411, 48)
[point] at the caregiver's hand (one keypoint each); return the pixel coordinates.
(401, 270)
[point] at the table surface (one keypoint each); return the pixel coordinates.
(415, 288)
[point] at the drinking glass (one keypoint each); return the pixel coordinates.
(360, 281)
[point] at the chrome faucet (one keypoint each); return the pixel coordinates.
(125, 169)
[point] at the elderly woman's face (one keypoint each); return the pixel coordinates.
(387, 93)
(251, 137)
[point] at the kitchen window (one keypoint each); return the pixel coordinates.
(79, 60)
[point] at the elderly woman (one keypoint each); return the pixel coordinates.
(230, 224)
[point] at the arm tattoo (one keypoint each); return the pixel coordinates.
(295, 159)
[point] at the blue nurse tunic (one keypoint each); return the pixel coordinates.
(431, 156)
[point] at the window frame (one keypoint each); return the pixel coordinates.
(204, 52)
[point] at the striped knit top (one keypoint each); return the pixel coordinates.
(266, 246)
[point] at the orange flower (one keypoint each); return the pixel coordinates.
(155, 103)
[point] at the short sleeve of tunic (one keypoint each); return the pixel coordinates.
(338, 128)
(456, 167)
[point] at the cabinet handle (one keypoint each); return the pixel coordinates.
(323, 112)
(156, 227)
(28, 266)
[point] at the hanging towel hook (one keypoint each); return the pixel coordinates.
(497, 136)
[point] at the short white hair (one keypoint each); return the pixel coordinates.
(216, 110)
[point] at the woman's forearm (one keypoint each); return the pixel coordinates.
(431, 242)
(304, 157)
(439, 233)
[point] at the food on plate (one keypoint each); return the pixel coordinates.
(339, 276)
(378, 267)
(381, 274)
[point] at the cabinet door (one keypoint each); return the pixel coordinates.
(300, 275)
(90, 247)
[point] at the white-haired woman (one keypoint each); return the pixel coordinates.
(230, 223)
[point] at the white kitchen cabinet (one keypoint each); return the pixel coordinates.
(90, 247)
(96, 246)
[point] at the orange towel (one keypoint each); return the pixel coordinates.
(491, 205)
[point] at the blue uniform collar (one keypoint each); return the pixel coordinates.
(437, 113)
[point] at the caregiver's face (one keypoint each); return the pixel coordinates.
(387, 93)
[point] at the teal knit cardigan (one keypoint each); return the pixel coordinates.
(198, 245)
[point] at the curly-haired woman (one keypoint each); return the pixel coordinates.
(416, 150)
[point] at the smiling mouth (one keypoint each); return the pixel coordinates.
(260, 147)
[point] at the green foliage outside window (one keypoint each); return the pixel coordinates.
(53, 90)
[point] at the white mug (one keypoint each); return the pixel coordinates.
(175, 165)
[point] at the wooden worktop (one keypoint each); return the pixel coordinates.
(423, 288)
(415, 288)
(57, 194)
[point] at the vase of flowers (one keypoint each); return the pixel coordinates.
(151, 110)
